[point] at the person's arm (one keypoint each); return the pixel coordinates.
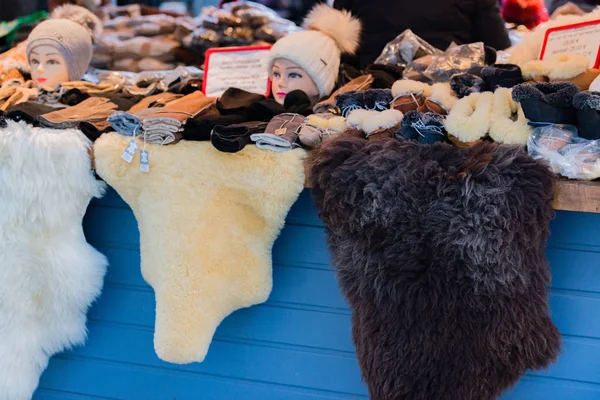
(488, 25)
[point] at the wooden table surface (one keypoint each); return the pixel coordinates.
(583, 196)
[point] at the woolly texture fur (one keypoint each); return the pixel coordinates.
(341, 26)
(469, 120)
(49, 274)
(587, 99)
(206, 246)
(440, 253)
(556, 94)
(408, 86)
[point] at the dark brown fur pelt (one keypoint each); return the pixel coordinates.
(440, 253)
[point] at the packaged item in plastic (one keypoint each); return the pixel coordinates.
(567, 154)
(405, 48)
(455, 60)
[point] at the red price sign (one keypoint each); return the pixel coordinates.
(582, 38)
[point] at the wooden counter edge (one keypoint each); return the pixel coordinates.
(582, 196)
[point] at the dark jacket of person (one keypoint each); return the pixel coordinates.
(585, 5)
(439, 22)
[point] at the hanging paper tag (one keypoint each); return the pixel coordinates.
(130, 150)
(144, 161)
(280, 131)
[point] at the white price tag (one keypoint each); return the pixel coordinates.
(130, 150)
(582, 38)
(236, 67)
(144, 161)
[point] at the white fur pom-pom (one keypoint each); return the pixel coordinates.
(341, 26)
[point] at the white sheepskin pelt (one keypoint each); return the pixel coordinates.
(207, 222)
(49, 274)
(469, 120)
(529, 48)
(508, 123)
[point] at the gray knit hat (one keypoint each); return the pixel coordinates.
(72, 31)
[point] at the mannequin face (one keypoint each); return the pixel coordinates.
(48, 67)
(287, 77)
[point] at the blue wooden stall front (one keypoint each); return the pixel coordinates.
(298, 345)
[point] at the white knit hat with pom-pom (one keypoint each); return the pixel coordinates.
(72, 31)
(318, 49)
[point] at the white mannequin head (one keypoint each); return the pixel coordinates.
(287, 76)
(48, 67)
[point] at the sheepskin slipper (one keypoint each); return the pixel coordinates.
(584, 80)
(469, 120)
(49, 274)
(408, 86)
(465, 84)
(508, 124)
(425, 128)
(560, 68)
(587, 105)
(547, 102)
(370, 121)
(502, 75)
(441, 254)
(206, 246)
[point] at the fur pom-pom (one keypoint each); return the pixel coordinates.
(407, 86)
(82, 16)
(341, 26)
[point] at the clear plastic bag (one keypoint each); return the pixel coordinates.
(405, 48)
(567, 153)
(455, 60)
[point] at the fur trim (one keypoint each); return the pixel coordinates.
(407, 86)
(587, 99)
(469, 120)
(442, 94)
(203, 258)
(337, 124)
(533, 69)
(49, 274)
(341, 26)
(370, 121)
(440, 253)
(557, 94)
(566, 66)
(465, 84)
(503, 129)
(84, 17)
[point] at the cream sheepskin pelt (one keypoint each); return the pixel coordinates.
(469, 120)
(207, 222)
(529, 48)
(407, 86)
(49, 274)
(503, 128)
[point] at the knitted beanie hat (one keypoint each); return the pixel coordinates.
(317, 50)
(72, 31)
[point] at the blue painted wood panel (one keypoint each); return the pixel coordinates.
(298, 345)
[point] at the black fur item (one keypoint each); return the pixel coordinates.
(547, 102)
(502, 75)
(372, 99)
(440, 252)
(465, 84)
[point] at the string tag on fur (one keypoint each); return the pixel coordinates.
(130, 150)
(144, 158)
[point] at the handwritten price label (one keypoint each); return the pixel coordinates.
(236, 67)
(583, 39)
